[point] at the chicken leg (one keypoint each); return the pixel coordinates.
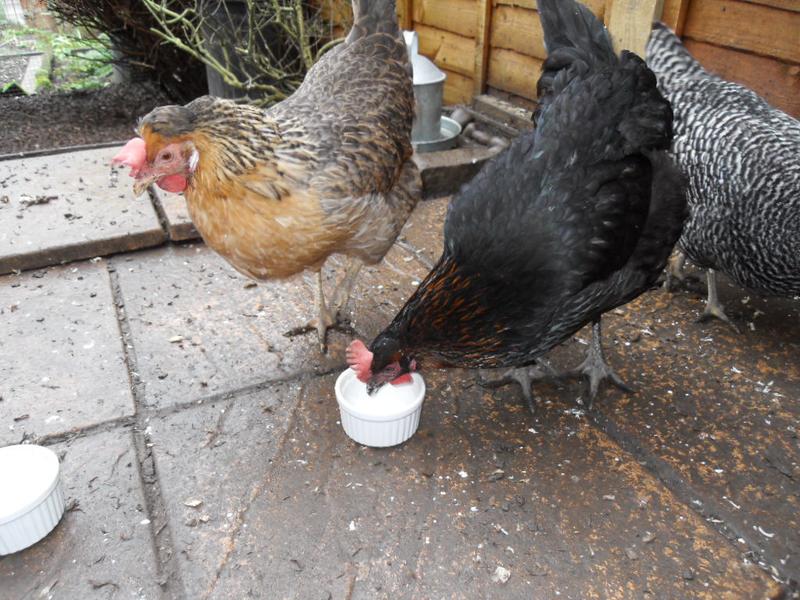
(674, 270)
(524, 376)
(328, 315)
(713, 307)
(595, 368)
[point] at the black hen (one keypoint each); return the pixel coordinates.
(574, 219)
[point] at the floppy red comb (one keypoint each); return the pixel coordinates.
(133, 155)
(360, 360)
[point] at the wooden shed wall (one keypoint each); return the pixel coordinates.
(498, 43)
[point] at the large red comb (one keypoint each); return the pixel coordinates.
(360, 360)
(133, 155)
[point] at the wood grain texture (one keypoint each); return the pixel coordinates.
(745, 26)
(518, 29)
(778, 82)
(674, 14)
(484, 27)
(630, 22)
(458, 88)
(456, 16)
(792, 5)
(448, 50)
(598, 7)
(514, 72)
(405, 16)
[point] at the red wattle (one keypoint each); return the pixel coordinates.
(173, 183)
(404, 378)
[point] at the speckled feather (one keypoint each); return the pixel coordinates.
(328, 170)
(742, 160)
(571, 221)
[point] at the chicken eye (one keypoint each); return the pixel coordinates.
(165, 156)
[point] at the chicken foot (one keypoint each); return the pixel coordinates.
(595, 368)
(524, 376)
(713, 307)
(328, 315)
(674, 270)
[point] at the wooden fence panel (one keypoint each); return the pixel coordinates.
(745, 26)
(777, 82)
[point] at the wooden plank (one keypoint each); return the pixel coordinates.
(792, 5)
(674, 14)
(514, 72)
(456, 16)
(598, 7)
(631, 21)
(483, 29)
(405, 14)
(448, 50)
(457, 88)
(745, 26)
(518, 29)
(778, 82)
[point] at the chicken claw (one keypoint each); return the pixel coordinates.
(596, 369)
(524, 376)
(328, 318)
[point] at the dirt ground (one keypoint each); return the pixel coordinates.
(47, 121)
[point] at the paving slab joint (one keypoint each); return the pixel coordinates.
(159, 210)
(169, 576)
(711, 511)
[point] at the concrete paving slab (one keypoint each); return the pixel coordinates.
(212, 460)
(173, 208)
(64, 207)
(480, 492)
(425, 229)
(720, 409)
(200, 328)
(62, 365)
(102, 548)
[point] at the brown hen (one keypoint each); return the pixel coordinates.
(328, 170)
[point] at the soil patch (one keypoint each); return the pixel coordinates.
(44, 121)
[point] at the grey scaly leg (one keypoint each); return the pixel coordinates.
(713, 307)
(595, 368)
(524, 376)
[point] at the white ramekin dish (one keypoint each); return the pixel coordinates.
(388, 418)
(31, 498)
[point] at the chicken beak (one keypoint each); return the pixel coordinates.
(142, 183)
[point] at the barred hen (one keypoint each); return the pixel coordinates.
(575, 218)
(328, 170)
(741, 157)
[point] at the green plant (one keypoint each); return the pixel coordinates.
(80, 63)
(128, 25)
(71, 61)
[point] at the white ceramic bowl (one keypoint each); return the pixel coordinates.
(388, 418)
(31, 499)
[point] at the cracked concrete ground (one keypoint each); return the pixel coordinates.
(203, 458)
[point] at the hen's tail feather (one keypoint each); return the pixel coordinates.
(373, 16)
(667, 56)
(575, 40)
